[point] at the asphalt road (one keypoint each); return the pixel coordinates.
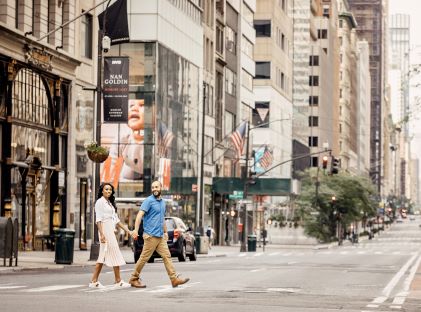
(370, 276)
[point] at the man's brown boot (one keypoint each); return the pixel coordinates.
(137, 284)
(179, 281)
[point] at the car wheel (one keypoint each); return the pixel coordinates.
(182, 256)
(193, 256)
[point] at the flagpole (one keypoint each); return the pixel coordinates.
(72, 20)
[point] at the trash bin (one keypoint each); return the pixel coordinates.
(251, 242)
(64, 241)
(197, 241)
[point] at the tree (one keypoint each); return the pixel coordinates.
(354, 200)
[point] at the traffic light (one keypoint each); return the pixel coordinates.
(324, 163)
(335, 165)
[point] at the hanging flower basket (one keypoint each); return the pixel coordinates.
(97, 153)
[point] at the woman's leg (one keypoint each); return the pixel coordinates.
(98, 268)
(117, 276)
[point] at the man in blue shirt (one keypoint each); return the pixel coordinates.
(155, 237)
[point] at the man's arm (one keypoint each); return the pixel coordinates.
(139, 217)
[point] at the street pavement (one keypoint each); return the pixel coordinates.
(44, 261)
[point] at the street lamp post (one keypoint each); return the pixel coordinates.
(245, 190)
(94, 252)
(247, 180)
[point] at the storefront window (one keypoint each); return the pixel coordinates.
(30, 101)
(31, 136)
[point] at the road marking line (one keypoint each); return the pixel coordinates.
(242, 255)
(399, 300)
(52, 288)
(379, 300)
(401, 297)
(395, 307)
(388, 289)
(166, 288)
(11, 287)
(257, 270)
(258, 254)
(274, 253)
(372, 305)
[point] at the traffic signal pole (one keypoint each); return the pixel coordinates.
(245, 190)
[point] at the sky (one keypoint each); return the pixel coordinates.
(413, 8)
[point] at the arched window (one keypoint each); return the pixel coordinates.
(30, 99)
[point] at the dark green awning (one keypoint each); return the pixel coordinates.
(269, 186)
(182, 185)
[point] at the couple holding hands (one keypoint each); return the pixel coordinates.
(155, 237)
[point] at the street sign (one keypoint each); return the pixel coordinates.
(236, 195)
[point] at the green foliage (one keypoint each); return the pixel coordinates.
(95, 148)
(354, 200)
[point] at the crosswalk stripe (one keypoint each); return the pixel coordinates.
(52, 288)
(165, 288)
(11, 287)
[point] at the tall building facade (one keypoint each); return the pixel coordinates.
(363, 107)
(371, 20)
(316, 82)
(39, 93)
(348, 90)
(401, 73)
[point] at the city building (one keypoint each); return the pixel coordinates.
(316, 80)
(371, 17)
(273, 113)
(38, 79)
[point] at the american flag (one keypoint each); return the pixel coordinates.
(266, 159)
(165, 138)
(237, 138)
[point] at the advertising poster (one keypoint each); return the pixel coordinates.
(115, 89)
(126, 144)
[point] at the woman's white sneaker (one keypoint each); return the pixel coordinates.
(122, 284)
(96, 285)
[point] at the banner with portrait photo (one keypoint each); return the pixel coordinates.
(125, 141)
(115, 89)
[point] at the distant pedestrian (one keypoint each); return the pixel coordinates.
(210, 233)
(155, 237)
(109, 251)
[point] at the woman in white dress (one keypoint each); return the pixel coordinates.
(109, 251)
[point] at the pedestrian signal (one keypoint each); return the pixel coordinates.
(336, 163)
(324, 164)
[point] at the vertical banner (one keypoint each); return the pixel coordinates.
(116, 89)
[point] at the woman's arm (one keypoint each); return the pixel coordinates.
(101, 232)
(124, 227)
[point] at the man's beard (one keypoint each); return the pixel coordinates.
(157, 193)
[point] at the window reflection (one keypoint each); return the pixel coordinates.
(26, 140)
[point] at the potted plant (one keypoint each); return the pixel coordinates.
(96, 152)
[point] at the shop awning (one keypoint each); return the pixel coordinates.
(183, 185)
(266, 186)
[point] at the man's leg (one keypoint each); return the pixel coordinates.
(149, 246)
(163, 251)
(165, 254)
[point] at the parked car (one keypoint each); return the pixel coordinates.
(181, 241)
